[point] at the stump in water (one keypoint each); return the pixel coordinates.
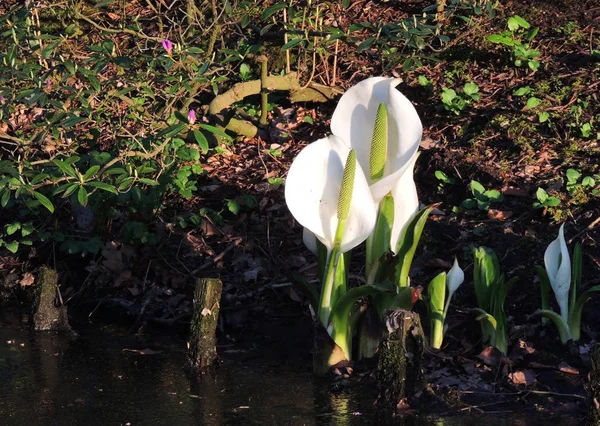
(594, 415)
(399, 372)
(48, 314)
(202, 348)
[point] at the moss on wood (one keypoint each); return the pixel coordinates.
(202, 351)
(47, 315)
(399, 371)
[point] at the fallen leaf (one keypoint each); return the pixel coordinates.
(124, 275)
(491, 356)
(206, 312)
(499, 214)
(566, 368)
(525, 377)
(515, 192)
(27, 280)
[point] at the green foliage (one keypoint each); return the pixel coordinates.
(482, 198)
(518, 39)
(544, 200)
(459, 102)
(491, 289)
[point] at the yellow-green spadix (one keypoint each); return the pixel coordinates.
(312, 193)
(384, 128)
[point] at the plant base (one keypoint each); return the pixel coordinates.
(326, 353)
(399, 372)
(47, 315)
(202, 347)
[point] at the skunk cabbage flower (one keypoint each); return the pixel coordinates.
(312, 194)
(454, 279)
(353, 121)
(385, 130)
(168, 46)
(558, 267)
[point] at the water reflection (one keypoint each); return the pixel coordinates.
(52, 380)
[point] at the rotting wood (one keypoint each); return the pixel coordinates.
(202, 346)
(399, 371)
(48, 314)
(594, 414)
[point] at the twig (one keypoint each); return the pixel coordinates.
(218, 257)
(584, 230)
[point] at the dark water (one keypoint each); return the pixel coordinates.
(95, 379)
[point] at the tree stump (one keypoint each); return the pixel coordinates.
(594, 415)
(399, 371)
(202, 347)
(48, 314)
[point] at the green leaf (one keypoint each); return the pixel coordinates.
(12, 246)
(44, 201)
(541, 195)
(82, 196)
(12, 228)
(91, 172)
(201, 140)
(27, 229)
(378, 243)
(588, 181)
(147, 181)
(532, 102)
(522, 91)
(103, 186)
(71, 189)
(575, 316)
(173, 130)
(575, 275)
(500, 39)
(471, 88)
(436, 298)
(514, 22)
(543, 116)
(365, 44)
(216, 131)
(407, 245)
(477, 189)
(5, 198)
(448, 95)
(65, 168)
(292, 43)
(552, 202)
(272, 10)
(573, 175)
(563, 327)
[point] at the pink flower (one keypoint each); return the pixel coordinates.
(168, 46)
(191, 116)
(48, 84)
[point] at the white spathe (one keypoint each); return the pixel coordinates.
(354, 119)
(455, 277)
(558, 267)
(406, 203)
(312, 190)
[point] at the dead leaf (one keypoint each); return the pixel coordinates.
(123, 276)
(525, 377)
(491, 356)
(206, 312)
(135, 291)
(566, 368)
(515, 192)
(499, 214)
(27, 280)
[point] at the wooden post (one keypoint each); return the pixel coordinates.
(264, 94)
(594, 415)
(399, 372)
(47, 315)
(202, 347)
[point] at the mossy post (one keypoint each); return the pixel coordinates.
(399, 372)
(594, 415)
(48, 316)
(202, 349)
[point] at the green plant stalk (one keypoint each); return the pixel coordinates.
(545, 289)
(575, 277)
(563, 328)
(575, 316)
(436, 296)
(378, 243)
(329, 282)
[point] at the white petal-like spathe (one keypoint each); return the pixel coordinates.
(406, 203)
(354, 119)
(454, 279)
(310, 240)
(558, 267)
(312, 190)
